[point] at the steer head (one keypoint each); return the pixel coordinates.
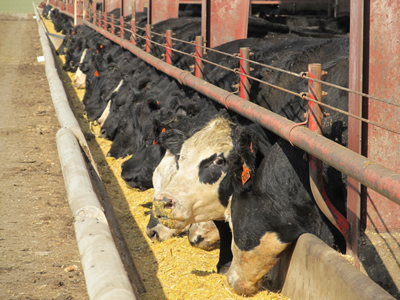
(208, 166)
(199, 190)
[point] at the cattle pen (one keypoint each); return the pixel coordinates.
(309, 253)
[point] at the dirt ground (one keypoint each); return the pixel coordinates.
(37, 240)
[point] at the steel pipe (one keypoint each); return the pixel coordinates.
(121, 27)
(244, 71)
(133, 32)
(112, 24)
(168, 57)
(367, 172)
(148, 38)
(199, 66)
(315, 117)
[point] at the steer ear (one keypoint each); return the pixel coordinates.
(245, 150)
(173, 140)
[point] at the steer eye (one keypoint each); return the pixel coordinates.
(219, 161)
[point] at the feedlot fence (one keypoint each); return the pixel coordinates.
(368, 172)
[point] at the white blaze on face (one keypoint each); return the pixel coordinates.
(105, 114)
(80, 77)
(193, 200)
(106, 111)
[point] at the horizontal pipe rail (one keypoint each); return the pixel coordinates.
(367, 172)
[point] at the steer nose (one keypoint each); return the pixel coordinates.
(162, 206)
(153, 234)
(196, 240)
(165, 201)
(104, 133)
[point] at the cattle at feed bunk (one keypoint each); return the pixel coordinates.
(244, 188)
(224, 173)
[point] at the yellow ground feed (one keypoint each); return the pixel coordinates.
(172, 269)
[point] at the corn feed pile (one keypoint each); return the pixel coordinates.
(172, 269)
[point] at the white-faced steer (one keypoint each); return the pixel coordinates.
(186, 197)
(265, 196)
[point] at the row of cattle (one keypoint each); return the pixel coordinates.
(210, 166)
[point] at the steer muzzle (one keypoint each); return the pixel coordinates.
(163, 211)
(156, 231)
(242, 287)
(162, 207)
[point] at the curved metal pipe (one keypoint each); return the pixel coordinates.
(315, 117)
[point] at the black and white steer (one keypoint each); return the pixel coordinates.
(221, 174)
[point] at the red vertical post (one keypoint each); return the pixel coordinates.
(244, 70)
(355, 126)
(112, 24)
(121, 27)
(148, 38)
(78, 12)
(94, 13)
(99, 19)
(199, 66)
(315, 116)
(169, 46)
(133, 32)
(315, 92)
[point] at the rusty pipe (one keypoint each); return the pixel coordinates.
(199, 66)
(244, 72)
(366, 171)
(315, 117)
(112, 24)
(169, 46)
(148, 38)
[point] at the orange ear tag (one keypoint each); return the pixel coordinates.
(245, 174)
(96, 74)
(163, 130)
(154, 142)
(251, 148)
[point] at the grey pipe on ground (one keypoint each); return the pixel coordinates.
(104, 271)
